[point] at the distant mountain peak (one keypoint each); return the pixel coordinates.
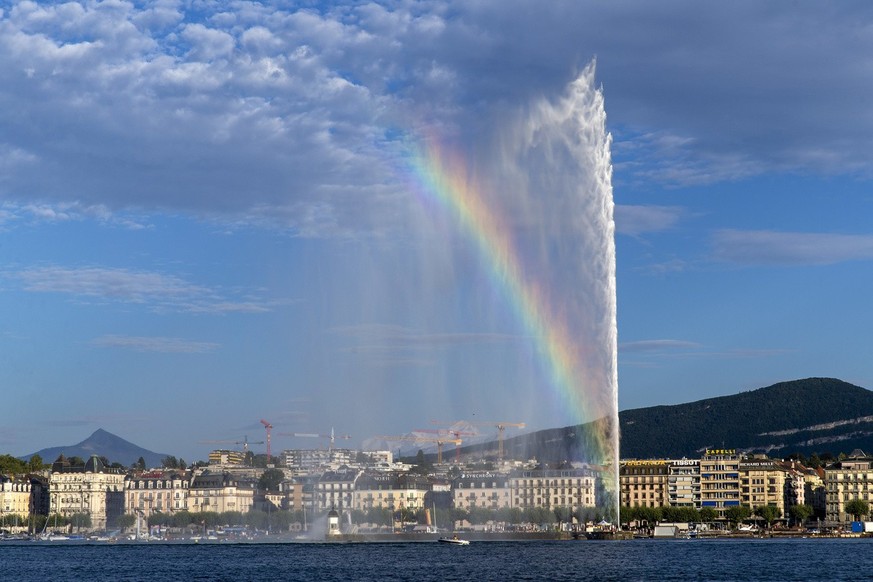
(105, 444)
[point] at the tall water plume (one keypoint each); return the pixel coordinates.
(536, 205)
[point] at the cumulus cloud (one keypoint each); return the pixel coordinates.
(298, 117)
(766, 247)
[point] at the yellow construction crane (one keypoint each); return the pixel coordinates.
(418, 439)
(501, 429)
(455, 433)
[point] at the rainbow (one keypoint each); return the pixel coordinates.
(443, 178)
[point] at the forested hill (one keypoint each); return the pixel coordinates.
(812, 415)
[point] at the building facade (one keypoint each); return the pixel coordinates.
(392, 491)
(762, 482)
(846, 480)
(156, 492)
(220, 492)
(683, 483)
(15, 498)
(644, 483)
(92, 489)
(483, 490)
(720, 480)
(551, 488)
(335, 489)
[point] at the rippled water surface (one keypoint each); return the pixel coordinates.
(799, 559)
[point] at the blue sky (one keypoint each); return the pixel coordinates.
(202, 223)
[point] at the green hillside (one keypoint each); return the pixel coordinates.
(802, 416)
(784, 418)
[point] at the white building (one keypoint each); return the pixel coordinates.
(92, 489)
(483, 490)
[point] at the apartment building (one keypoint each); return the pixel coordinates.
(845, 480)
(15, 497)
(484, 490)
(393, 491)
(683, 483)
(156, 492)
(220, 492)
(720, 480)
(92, 489)
(762, 482)
(552, 488)
(335, 489)
(644, 483)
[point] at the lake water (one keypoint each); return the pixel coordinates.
(725, 559)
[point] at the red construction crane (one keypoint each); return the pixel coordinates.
(269, 427)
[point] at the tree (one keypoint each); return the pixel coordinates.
(480, 515)
(768, 513)
(9, 464)
(81, 520)
(271, 479)
(650, 515)
(857, 508)
(378, 516)
(170, 462)
(737, 513)
(35, 464)
(800, 513)
(257, 519)
(140, 464)
(125, 521)
(563, 514)
(459, 514)
(708, 514)
(231, 518)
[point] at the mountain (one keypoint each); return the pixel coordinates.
(105, 444)
(801, 416)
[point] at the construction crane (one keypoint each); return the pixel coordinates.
(245, 443)
(501, 429)
(455, 433)
(439, 442)
(332, 436)
(268, 427)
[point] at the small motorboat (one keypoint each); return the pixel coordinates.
(454, 540)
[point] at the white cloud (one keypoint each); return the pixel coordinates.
(154, 344)
(766, 247)
(274, 115)
(156, 291)
(635, 220)
(207, 44)
(657, 345)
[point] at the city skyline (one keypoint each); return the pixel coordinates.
(203, 209)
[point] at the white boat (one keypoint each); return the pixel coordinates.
(454, 540)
